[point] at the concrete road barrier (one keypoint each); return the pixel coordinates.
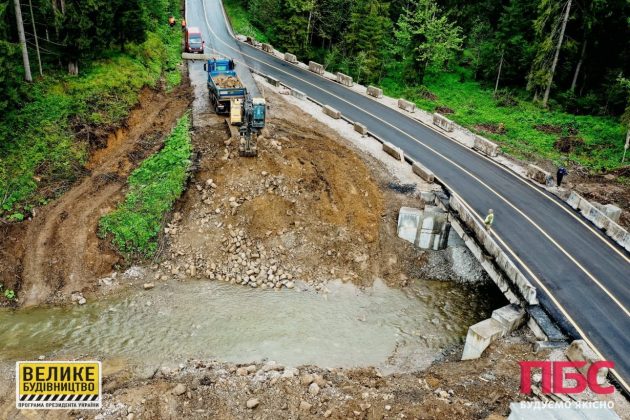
(406, 105)
(443, 122)
(298, 94)
(331, 112)
(374, 91)
(344, 79)
(273, 81)
(291, 58)
(394, 151)
(316, 67)
(360, 128)
(485, 146)
(267, 48)
(537, 174)
(610, 210)
(422, 172)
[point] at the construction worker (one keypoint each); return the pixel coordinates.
(562, 172)
(489, 219)
(171, 21)
(183, 24)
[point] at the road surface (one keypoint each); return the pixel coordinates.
(583, 278)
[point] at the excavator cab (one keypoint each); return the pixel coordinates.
(253, 120)
(259, 110)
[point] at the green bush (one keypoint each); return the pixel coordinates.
(153, 188)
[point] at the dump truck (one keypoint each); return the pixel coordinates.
(224, 85)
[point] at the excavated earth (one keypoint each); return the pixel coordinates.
(57, 252)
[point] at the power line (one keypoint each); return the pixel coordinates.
(44, 39)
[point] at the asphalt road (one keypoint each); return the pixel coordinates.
(586, 276)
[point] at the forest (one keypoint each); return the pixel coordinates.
(488, 62)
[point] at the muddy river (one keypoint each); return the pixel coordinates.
(380, 326)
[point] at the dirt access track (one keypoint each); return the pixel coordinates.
(58, 252)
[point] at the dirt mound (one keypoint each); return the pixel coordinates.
(548, 128)
(444, 110)
(307, 210)
(491, 128)
(568, 144)
(60, 251)
(425, 93)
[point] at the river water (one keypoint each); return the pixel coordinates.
(345, 327)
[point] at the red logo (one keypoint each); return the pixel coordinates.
(554, 374)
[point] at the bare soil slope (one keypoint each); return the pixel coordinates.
(58, 252)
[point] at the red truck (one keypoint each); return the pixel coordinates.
(194, 43)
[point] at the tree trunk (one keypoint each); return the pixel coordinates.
(20, 24)
(73, 67)
(308, 27)
(557, 54)
(39, 57)
(579, 65)
(496, 85)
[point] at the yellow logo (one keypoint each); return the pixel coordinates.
(49, 385)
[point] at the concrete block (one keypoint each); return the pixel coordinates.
(360, 128)
(427, 197)
(291, 58)
(406, 105)
(511, 317)
(267, 48)
(619, 235)
(485, 146)
(574, 200)
(298, 94)
(331, 112)
(480, 336)
(537, 174)
(443, 122)
(374, 91)
(316, 67)
(408, 220)
(344, 79)
(591, 212)
(578, 350)
(433, 229)
(562, 193)
(422, 172)
(610, 210)
(395, 152)
(273, 81)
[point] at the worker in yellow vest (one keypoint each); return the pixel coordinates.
(489, 219)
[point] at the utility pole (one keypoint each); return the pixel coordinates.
(20, 25)
(39, 57)
(496, 85)
(557, 54)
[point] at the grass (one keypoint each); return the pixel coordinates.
(40, 151)
(473, 105)
(239, 18)
(153, 188)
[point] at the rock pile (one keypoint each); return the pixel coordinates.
(250, 264)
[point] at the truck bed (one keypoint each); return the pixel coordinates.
(226, 82)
